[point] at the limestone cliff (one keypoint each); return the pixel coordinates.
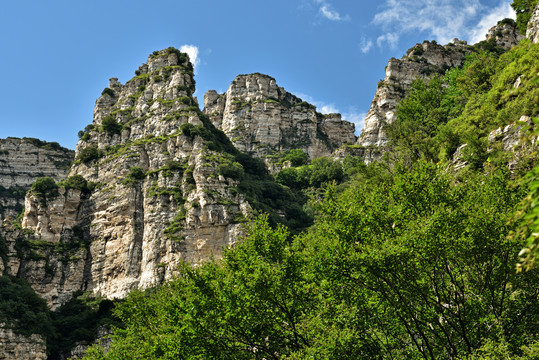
(22, 161)
(261, 118)
(421, 62)
(17, 347)
(532, 32)
(160, 191)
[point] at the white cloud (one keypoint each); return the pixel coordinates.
(442, 19)
(389, 38)
(489, 20)
(328, 109)
(192, 51)
(327, 11)
(365, 45)
(355, 117)
(321, 106)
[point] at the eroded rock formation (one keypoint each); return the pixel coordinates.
(261, 118)
(532, 32)
(421, 62)
(17, 347)
(22, 161)
(158, 195)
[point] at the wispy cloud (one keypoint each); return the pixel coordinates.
(442, 19)
(390, 38)
(365, 45)
(503, 11)
(355, 117)
(192, 51)
(327, 11)
(321, 106)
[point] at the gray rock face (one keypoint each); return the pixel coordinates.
(505, 35)
(159, 198)
(532, 32)
(22, 161)
(17, 347)
(261, 118)
(420, 62)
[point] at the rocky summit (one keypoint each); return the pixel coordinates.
(261, 119)
(152, 193)
(422, 62)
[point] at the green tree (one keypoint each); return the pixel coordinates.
(524, 10)
(419, 118)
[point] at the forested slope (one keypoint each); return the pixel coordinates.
(415, 256)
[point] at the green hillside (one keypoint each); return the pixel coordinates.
(410, 257)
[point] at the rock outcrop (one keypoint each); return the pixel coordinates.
(17, 347)
(261, 118)
(505, 35)
(421, 62)
(22, 161)
(532, 32)
(160, 192)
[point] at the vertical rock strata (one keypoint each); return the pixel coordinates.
(22, 161)
(261, 118)
(421, 62)
(158, 195)
(532, 32)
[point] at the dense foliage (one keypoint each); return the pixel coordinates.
(524, 9)
(405, 259)
(26, 313)
(415, 267)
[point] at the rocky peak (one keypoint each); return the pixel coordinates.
(155, 191)
(261, 118)
(420, 62)
(505, 34)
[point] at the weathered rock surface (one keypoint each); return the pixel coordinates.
(505, 35)
(532, 32)
(367, 154)
(159, 198)
(420, 62)
(261, 118)
(22, 161)
(17, 347)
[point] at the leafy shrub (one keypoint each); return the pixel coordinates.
(188, 129)
(135, 175)
(231, 169)
(324, 170)
(291, 178)
(75, 182)
(110, 125)
(108, 91)
(297, 157)
(89, 154)
(45, 186)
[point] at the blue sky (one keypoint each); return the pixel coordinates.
(57, 55)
